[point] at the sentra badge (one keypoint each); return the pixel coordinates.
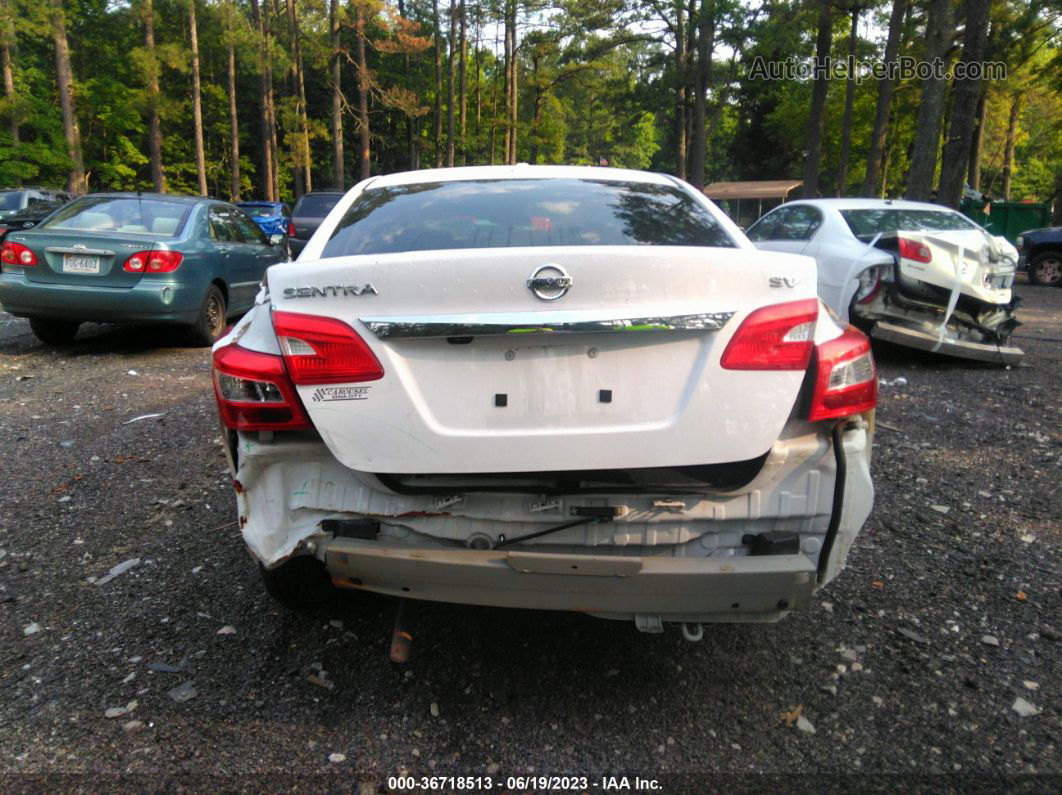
(331, 291)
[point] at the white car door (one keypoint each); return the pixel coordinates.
(788, 228)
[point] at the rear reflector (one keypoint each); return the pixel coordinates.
(254, 393)
(846, 380)
(778, 337)
(911, 249)
(323, 350)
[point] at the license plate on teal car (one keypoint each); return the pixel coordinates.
(79, 263)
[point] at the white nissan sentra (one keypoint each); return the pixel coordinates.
(547, 387)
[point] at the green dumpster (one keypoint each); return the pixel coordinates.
(1009, 219)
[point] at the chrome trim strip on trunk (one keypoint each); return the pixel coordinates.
(91, 252)
(499, 324)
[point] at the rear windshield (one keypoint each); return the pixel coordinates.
(316, 206)
(867, 223)
(10, 200)
(260, 212)
(522, 212)
(122, 216)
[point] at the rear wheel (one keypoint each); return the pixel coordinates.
(1046, 269)
(54, 332)
(300, 582)
(211, 321)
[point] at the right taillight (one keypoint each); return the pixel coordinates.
(154, 261)
(912, 249)
(254, 393)
(323, 350)
(846, 380)
(777, 337)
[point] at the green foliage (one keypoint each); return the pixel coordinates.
(597, 81)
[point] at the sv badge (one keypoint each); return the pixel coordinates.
(783, 281)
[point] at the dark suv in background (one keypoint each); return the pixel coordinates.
(29, 217)
(13, 200)
(308, 214)
(1041, 252)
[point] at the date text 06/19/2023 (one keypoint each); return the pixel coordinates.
(524, 783)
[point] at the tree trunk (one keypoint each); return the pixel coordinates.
(365, 167)
(973, 167)
(451, 79)
(8, 34)
(265, 81)
(234, 122)
(680, 90)
(1012, 137)
(300, 166)
(817, 118)
(338, 170)
(158, 179)
(479, 79)
(705, 46)
(514, 84)
(881, 113)
(494, 98)
(691, 77)
(939, 32)
(75, 180)
(197, 105)
(849, 99)
(462, 104)
(271, 100)
(965, 92)
(437, 109)
(411, 121)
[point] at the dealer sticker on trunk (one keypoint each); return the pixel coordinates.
(326, 393)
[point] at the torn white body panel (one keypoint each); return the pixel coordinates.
(287, 488)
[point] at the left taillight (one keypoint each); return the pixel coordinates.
(846, 380)
(254, 392)
(17, 254)
(913, 250)
(323, 350)
(160, 261)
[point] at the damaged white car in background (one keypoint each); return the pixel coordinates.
(910, 273)
(547, 387)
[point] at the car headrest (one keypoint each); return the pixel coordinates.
(164, 226)
(95, 221)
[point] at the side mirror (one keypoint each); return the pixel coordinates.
(276, 239)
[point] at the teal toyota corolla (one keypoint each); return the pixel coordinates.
(136, 259)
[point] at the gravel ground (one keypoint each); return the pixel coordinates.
(910, 663)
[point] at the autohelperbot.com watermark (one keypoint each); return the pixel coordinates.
(902, 68)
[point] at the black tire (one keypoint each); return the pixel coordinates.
(1046, 269)
(300, 582)
(210, 324)
(54, 332)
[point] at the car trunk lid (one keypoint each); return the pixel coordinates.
(83, 258)
(494, 362)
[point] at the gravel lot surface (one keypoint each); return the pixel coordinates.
(916, 660)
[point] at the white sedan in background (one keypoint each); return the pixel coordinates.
(547, 387)
(911, 273)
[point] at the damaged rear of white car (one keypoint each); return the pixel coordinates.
(547, 387)
(910, 273)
